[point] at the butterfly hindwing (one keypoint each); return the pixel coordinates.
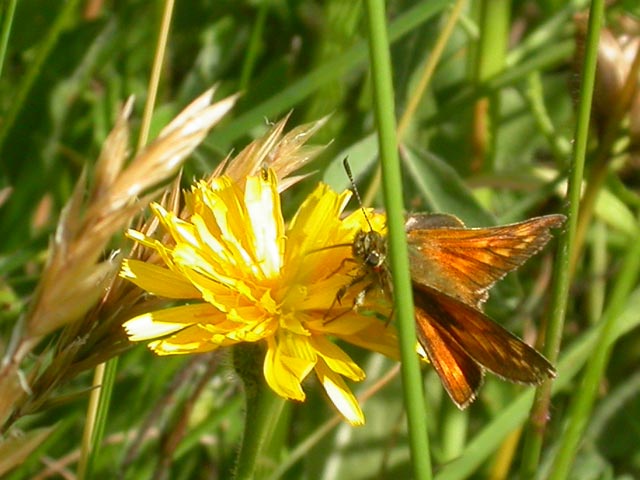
(460, 375)
(483, 340)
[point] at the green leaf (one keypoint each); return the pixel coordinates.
(442, 188)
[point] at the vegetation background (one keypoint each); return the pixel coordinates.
(487, 115)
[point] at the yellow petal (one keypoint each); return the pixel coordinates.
(348, 323)
(152, 243)
(210, 242)
(265, 216)
(169, 320)
(330, 277)
(294, 324)
(181, 230)
(245, 331)
(158, 280)
(317, 223)
(340, 395)
(190, 340)
(229, 214)
(357, 221)
(143, 327)
(210, 281)
(376, 337)
(317, 248)
(286, 364)
(336, 359)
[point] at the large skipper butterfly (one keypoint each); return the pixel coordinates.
(452, 269)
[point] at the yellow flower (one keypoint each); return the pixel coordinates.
(245, 276)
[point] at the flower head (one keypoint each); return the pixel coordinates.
(245, 276)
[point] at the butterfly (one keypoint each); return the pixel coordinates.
(452, 269)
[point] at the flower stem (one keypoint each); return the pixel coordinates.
(263, 410)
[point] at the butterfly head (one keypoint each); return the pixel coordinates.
(370, 248)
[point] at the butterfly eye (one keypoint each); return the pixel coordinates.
(374, 258)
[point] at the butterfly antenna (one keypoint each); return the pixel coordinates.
(347, 168)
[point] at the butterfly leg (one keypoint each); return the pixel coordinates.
(341, 266)
(342, 292)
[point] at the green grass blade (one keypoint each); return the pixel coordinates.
(392, 184)
(560, 288)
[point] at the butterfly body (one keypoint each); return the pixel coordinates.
(452, 268)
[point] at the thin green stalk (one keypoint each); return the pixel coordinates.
(63, 18)
(490, 61)
(255, 45)
(582, 402)
(560, 288)
(392, 188)
(559, 145)
(263, 408)
(99, 401)
(429, 68)
(9, 13)
(598, 267)
(156, 71)
(416, 96)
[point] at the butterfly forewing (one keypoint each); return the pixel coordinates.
(465, 262)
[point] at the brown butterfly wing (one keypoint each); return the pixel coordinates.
(465, 262)
(460, 375)
(485, 342)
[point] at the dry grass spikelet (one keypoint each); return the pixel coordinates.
(78, 277)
